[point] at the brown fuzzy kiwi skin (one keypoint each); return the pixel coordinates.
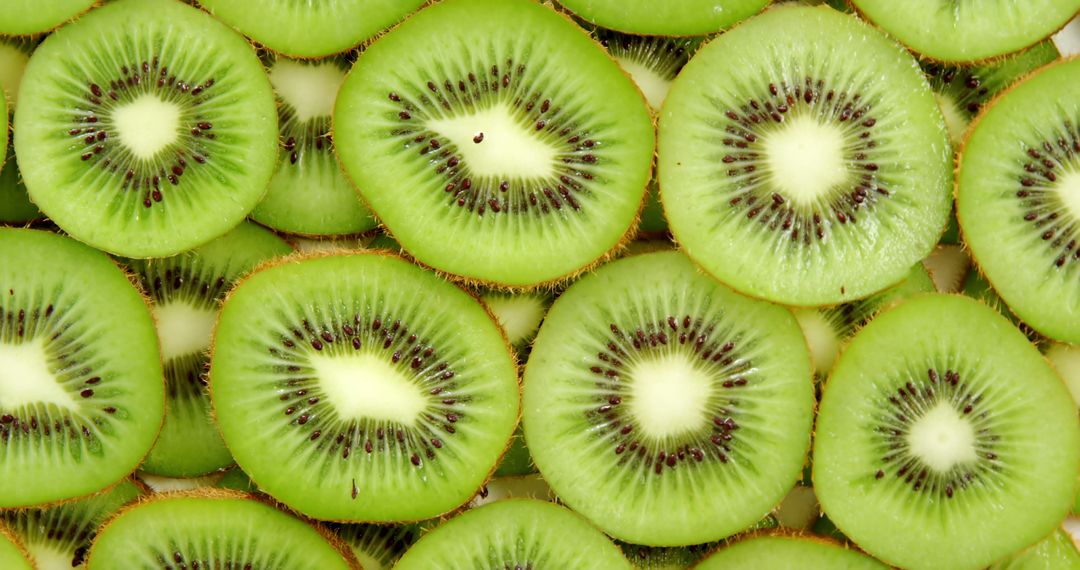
(555, 282)
(300, 257)
(780, 533)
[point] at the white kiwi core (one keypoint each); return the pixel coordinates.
(310, 89)
(365, 386)
(806, 159)
(942, 438)
(652, 84)
(669, 396)
(183, 329)
(147, 125)
(1068, 191)
(495, 142)
(25, 377)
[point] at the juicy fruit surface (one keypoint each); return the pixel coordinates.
(947, 30)
(1018, 199)
(345, 397)
(496, 141)
(811, 180)
(516, 533)
(150, 139)
(684, 18)
(81, 391)
(787, 553)
(211, 530)
(310, 29)
(1057, 552)
(11, 553)
(650, 386)
(24, 17)
(945, 442)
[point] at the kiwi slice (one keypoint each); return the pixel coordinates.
(59, 537)
(944, 439)
(13, 555)
(821, 175)
(145, 128)
(161, 484)
(947, 30)
(236, 480)
(650, 386)
(81, 391)
(187, 290)
(25, 17)
(212, 529)
(517, 159)
(378, 547)
(310, 29)
(799, 510)
(1066, 360)
(665, 557)
(783, 551)
(362, 388)
(518, 534)
(15, 204)
(335, 244)
(949, 266)
(1018, 199)
(683, 18)
(309, 194)
(1056, 552)
(519, 315)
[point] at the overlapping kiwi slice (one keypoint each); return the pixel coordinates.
(518, 534)
(211, 529)
(944, 439)
(947, 30)
(496, 141)
(145, 128)
(81, 391)
(1056, 552)
(187, 290)
(310, 29)
(651, 386)
(15, 204)
(788, 551)
(12, 554)
(1018, 199)
(378, 547)
(360, 387)
(819, 174)
(25, 17)
(684, 18)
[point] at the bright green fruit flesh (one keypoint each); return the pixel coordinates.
(813, 179)
(81, 391)
(650, 386)
(344, 385)
(145, 128)
(516, 160)
(788, 553)
(1057, 552)
(25, 17)
(944, 439)
(684, 18)
(1018, 199)
(12, 555)
(515, 533)
(15, 205)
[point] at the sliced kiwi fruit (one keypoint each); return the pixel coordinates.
(59, 537)
(213, 529)
(650, 386)
(310, 29)
(515, 533)
(333, 244)
(81, 391)
(1056, 552)
(1018, 199)
(821, 175)
(529, 486)
(684, 18)
(496, 141)
(13, 555)
(145, 128)
(944, 439)
(799, 510)
(784, 551)
(15, 204)
(362, 388)
(309, 194)
(236, 480)
(946, 30)
(26, 17)
(1066, 360)
(378, 547)
(187, 290)
(162, 484)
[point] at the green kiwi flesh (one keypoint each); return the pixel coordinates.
(1017, 199)
(81, 390)
(651, 386)
(15, 204)
(821, 176)
(684, 18)
(1056, 552)
(172, 143)
(519, 315)
(1066, 360)
(308, 29)
(186, 291)
(12, 554)
(211, 529)
(26, 17)
(378, 547)
(516, 160)
(944, 439)
(515, 533)
(362, 388)
(781, 551)
(946, 30)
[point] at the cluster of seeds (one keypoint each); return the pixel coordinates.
(1040, 195)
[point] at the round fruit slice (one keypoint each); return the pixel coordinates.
(146, 128)
(1057, 552)
(310, 29)
(944, 439)
(12, 554)
(378, 547)
(81, 391)
(788, 552)
(651, 386)
(1018, 199)
(683, 18)
(362, 388)
(25, 17)
(515, 533)
(187, 291)
(516, 159)
(821, 175)
(212, 529)
(948, 30)
(15, 204)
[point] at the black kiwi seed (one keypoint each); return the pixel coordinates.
(1040, 200)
